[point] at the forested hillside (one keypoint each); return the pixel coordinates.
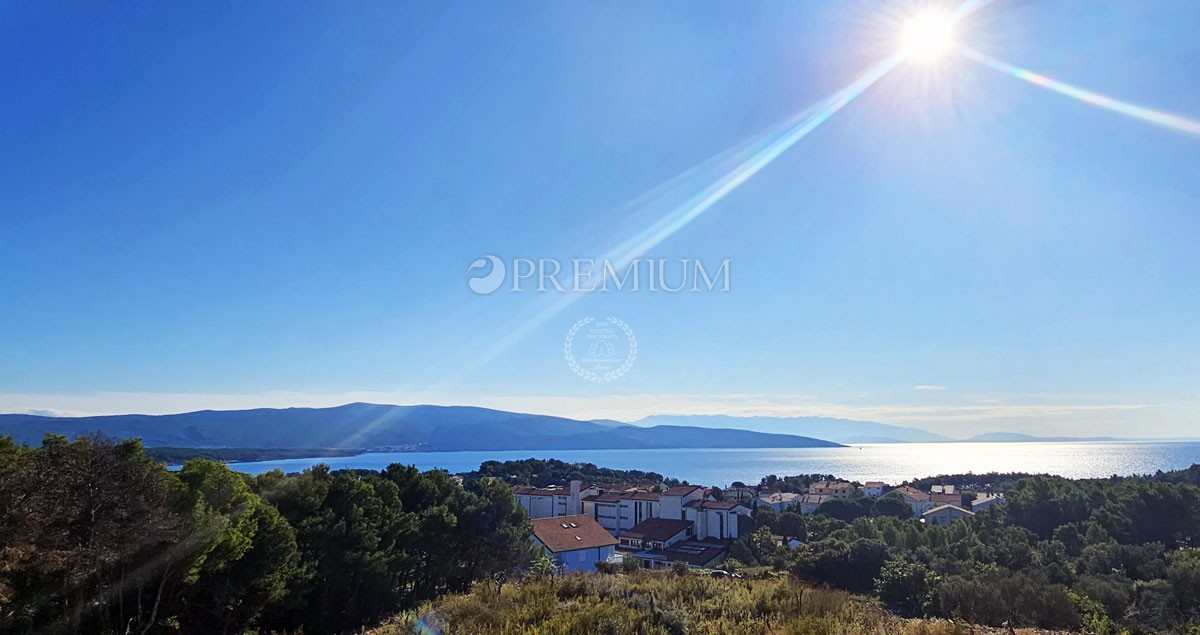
(1102, 555)
(545, 472)
(96, 537)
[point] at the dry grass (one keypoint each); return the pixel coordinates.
(660, 603)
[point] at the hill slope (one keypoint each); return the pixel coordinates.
(663, 602)
(361, 425)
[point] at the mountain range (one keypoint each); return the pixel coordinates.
(846, 431)
(375, 426)
(455, 428)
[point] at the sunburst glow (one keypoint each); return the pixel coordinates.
(928, 36)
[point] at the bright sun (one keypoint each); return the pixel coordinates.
(928, 36)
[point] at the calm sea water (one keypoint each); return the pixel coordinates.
(892, 463)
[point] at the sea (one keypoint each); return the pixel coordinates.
(891, 463)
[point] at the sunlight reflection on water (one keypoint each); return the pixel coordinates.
(887, 462)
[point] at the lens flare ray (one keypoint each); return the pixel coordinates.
(697, 197)
(1158, 117)
(761, 153)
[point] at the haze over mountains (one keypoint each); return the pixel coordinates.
(845, 431)
(455, 428)
(361, 425)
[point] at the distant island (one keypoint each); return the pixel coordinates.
(360, 426)
(1017, 437)
(281, 433)
(845, 431)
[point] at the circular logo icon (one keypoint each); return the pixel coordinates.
(600, 349)
(488, 283)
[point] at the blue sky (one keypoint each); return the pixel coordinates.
(232, 206)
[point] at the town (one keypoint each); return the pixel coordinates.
(584, 526)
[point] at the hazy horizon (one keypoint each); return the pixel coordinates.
(698, 419)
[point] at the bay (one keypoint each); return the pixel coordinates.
(892, 463)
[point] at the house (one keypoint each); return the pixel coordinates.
(779, 502)
(944, 515)
(659, 542)
(656, 533)
(810, 502)
(791, 542)
(694, 553)
(739, 494)
(718, 519)
(671, 501)
(945, 495)
(549, 502)
(918, 500)
(836, 489)
(874, 489)
(573, 543)
(618, 511)
(945, 499)
(983, 501)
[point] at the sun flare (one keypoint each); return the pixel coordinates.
(928, 36)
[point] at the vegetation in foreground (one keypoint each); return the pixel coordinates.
(98, 538)
(1106, 556)
(663, 603)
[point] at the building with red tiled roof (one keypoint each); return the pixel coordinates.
(574, 543)
(837, 489)
(945, 499)
(707, 504)
(945, 514)
(779, 502)
(718, 519)
(549, 502)
(681, 490)
(918, 500)
(874, 489)
(656, 533)
(696, 553)
(983, 501)
(810, 502)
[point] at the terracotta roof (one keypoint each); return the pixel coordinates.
(607, 497)
(657, 529)
(644, 486)
(942, 507)
(579, 532)
(614, 497)
(875, 484)
(703, 504)
(695, 552)
(830, 485)
(911, 493)
(680, 490)
(816, 499)
(946, 499)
